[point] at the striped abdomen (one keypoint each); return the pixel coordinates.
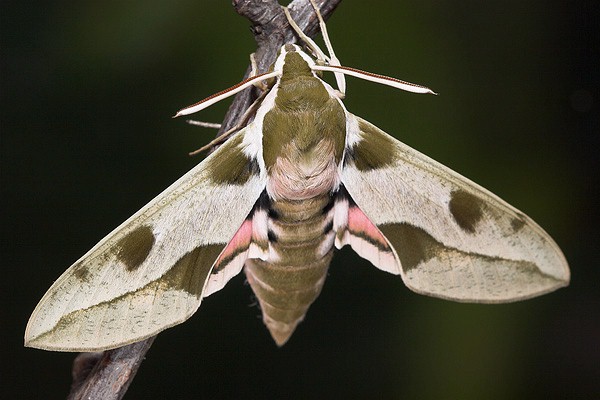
(301, 241)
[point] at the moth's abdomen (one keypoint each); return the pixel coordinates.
(301, 242)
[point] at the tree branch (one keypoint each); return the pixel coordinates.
(108, 375)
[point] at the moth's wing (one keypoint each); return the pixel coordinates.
(153, 271)
(445, 235)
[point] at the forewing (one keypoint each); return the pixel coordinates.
(450, 237)
(153, 271)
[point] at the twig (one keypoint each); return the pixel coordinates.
(108, 375)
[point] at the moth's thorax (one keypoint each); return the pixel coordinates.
(303, 135)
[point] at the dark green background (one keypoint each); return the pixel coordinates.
(88, 89)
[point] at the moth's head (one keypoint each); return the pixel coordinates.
(293, 62)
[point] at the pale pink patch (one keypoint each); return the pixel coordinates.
(260, 226)
(360, 224)
(239, 242)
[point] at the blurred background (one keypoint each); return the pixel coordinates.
(88, 89)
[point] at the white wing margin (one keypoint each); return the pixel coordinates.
(450, 237)
(152, 271)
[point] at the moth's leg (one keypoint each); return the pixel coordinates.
(314, 48)
(202, 124)
(212, 125)
(242, 122)
(333, 60)
(254, 71)
(262, 85)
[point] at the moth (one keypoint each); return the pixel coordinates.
(304, 177)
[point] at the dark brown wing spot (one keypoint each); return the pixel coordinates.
(133, 249)
(413, 245)
(518, 222)
(374, 151)
(81, 272)
(466, 209)
(231, 165)
(190, 271)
